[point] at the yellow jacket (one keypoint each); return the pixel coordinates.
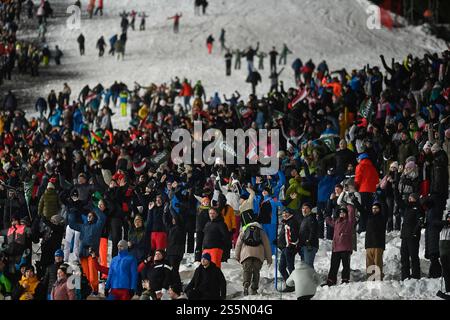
(143, 112)
(30, 284)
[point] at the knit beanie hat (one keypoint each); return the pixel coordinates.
(435, 148)
(427, 145)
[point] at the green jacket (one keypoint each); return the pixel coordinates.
(49, 204)
(5, 285)
(295, 186)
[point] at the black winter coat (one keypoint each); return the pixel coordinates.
(308, 234)
(202, 219)
(376, 231)
(207, 284)
(412, 222)
(159, 274)
(50, 277)
(439, 173)
(216, 234)
(156, 219)
(140, 240)
(433, 227)
(343, 158)
(175, 239)
(289, 232)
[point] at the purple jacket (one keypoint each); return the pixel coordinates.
(343, 231)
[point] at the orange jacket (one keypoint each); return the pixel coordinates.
(366, 176)
(229, 217)
(337, 88)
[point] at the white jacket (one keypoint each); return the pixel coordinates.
(232, 196)
(305, 280)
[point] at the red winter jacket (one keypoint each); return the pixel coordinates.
(186, 90)
(366, 176)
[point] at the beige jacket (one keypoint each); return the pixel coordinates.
(262, 252)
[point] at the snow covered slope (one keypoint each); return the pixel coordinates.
(331, 30)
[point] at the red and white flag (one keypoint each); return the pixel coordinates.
(302, 94)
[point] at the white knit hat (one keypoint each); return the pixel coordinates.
(427, 145)
(435, 148)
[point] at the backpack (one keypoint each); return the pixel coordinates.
(252, 236)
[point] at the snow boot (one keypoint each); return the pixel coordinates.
(246, 285)
(442, 295)
(289, 289)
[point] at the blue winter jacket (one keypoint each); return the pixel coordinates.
(326, 187)
(89, 233)
(122, 272)
(78, 121)
(55, 118)
(278, 184)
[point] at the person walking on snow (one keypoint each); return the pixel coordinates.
(143, 17)
(222, 40)
(284, 53)
(274, 80)
(112, 43)
(237, 60)
(204, 4)
(58, 55)
(101, 44)
(80, 41)
(209, 43)
(228, 61)
(273, 59)
(123, 275)
(133, 19)
(90, 8)
(176, 22)
(99, 8)
(252, 248)
(186, 92)
(197, 4)
(261, 56)
(250, 55)
(124, 23)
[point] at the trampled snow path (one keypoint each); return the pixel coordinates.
(334, 30)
